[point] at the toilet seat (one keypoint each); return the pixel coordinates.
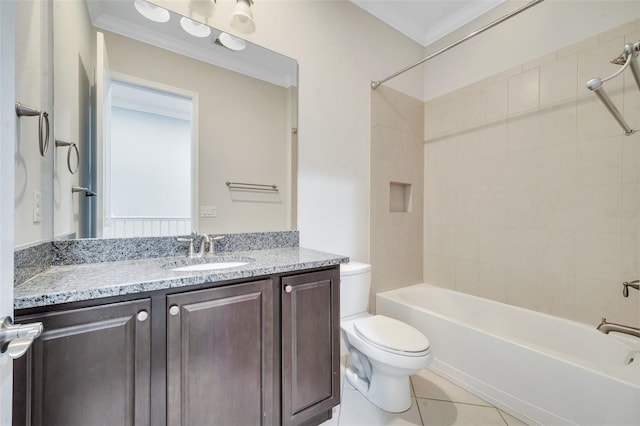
(391, 335)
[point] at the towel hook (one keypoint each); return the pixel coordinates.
(87, 191)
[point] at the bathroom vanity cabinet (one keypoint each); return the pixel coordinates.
(219, 353)
(310, 345)
(90, 363)
(258, 352)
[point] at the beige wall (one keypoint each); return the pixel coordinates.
(397, 126)
(33, 173)
(73, 69)
(337, 62)
(339, 49)
(531, 189)
(546, 27)
(244, 134)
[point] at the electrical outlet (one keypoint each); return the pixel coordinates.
(208, 211)
(37, 207)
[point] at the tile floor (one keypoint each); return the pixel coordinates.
(436, 401)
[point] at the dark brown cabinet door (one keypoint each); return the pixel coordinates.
(310, 346)
(90, 366)
(220, 356)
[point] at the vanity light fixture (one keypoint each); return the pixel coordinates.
(194, 28)
(151, 11)
(242, 18)
(231, 42)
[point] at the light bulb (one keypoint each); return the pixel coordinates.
(151, 11)
(194, 28)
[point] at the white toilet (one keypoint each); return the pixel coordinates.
(383, 352)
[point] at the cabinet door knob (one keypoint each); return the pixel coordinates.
(288, 288)
(142, 315)
(174, 310)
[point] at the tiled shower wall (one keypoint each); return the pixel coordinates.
(531, 188)
(397, 135)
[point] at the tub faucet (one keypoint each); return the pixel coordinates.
(607, 327)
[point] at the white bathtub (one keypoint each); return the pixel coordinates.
(540, 368)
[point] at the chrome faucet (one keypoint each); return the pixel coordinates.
(607, 327)
(203, 251)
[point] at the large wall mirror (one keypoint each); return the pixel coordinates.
(177, 126)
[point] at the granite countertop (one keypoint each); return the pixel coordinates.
(71, 283)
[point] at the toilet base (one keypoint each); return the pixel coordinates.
(388, 393)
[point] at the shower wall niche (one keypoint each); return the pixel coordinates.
(397, 140)
(400, 197)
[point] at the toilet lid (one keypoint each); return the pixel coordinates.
(391, 335)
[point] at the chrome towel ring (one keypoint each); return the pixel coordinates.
(43, 123)
(72, 148)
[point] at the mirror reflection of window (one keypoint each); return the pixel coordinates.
(148, 165)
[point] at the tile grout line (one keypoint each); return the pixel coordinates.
(461, 403)
(415, 398)
(339, 412)
(457, 402)
(341, 396)
(502, 417)
(343, 380)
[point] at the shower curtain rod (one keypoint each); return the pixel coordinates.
(375, 84)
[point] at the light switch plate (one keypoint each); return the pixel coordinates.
(208, 211)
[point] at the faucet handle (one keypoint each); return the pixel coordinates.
(211, 251)
(191, 252)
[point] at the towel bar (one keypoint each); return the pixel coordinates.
(252, 186)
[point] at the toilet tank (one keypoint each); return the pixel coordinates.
(355, 283)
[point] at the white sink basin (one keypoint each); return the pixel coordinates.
(209, 266)
(207, 263)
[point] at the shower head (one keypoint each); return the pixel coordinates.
(630, 49)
